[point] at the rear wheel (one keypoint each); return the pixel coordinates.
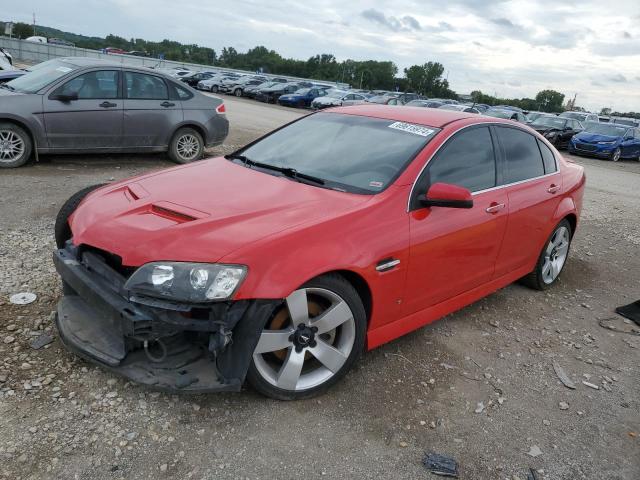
(214, 88)
(238, 92)
(552, 258)
(311, 342)
(15, 146)
(186, 146)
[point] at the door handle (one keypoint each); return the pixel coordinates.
(553, 188)
(108, 105)
(167, 104)
(494, 207)
(387, 264)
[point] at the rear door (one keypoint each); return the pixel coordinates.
(150, 113)
(630, 146)
(454, 250)
(533, 185)
(93, 121)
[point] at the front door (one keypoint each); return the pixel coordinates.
(150, 113)
(454, 250)
(93, 121)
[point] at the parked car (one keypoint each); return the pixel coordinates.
(271, 94)
(506, 114)
(114, 51)
(59, 41)
(87, 104)
(236, 87)
(580, 116)
(335, 98)
(8, 75)
(558, 130)
(533, 116)
(458, 108)
(6, 60)
(607, 140)
(252, 91)
(301, 98)
(282, 262)
(193, 79)
(424, 103)
(213, 84)
(138, 53)
(630, 122)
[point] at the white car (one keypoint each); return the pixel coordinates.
(336, 98)
(6, 60)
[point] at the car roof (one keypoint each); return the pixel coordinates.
(89, 62)
(423, 116)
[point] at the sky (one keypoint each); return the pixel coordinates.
(509, 48)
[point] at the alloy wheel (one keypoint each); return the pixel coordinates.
(188, 147)
(308, 340)
(11, 146)
(555, 255)
(616, 155)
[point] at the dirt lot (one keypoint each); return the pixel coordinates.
(61, 417)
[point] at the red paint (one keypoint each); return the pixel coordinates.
(287, 232)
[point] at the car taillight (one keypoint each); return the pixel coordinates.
(220, 108)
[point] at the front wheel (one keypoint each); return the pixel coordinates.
(238, 92)
(15, 146)
(615, 156)
(186, 146)
(311, 341)
(552, 258)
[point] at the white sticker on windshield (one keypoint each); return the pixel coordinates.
(63, 69)
(411, 128)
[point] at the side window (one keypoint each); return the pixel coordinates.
(92, 85)
(393, 101)
(548, 159)
(182, 93)
(467, 160)
(140, 86)
(522, 155)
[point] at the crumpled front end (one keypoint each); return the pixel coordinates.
(166, 345)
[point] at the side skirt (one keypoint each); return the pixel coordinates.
(391, 331)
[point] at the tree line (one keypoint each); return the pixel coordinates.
(427, 79)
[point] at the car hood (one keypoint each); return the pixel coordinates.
(200, 212)
(588, 137)
(328, 101)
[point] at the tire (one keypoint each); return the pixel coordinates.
(186, 146)
(15, 146)
(301, 104)
(238, 92)
(615, 156)
(214, 88)
(273, 370)
(540, 278)
(62, 231)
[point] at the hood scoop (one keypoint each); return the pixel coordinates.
(175, 212)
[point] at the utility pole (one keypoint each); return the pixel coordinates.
(34, 24)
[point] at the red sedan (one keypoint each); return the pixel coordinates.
(283, 262)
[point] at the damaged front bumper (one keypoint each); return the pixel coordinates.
(165, 345)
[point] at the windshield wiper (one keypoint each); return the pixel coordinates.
(286, 171)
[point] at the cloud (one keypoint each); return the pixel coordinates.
(626, 35)
(406, 23)
(618, 78)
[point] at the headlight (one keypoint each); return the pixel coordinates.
(187, 282)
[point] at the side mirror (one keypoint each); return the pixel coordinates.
(66, 97)
(448, 196)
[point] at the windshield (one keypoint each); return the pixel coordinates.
(622, 121)
(451, 106)
(336, 94)
(499, 113)
(606, 129)
(574, 115)
(349, 152)
(550, 122)
(41, 75)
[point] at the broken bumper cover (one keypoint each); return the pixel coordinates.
(183, 348)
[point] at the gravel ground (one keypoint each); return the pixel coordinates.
(479, 385)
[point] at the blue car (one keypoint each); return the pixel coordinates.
(607, 140)
(301, 98)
